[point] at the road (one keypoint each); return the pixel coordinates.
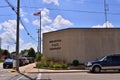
(74, 76)
(79, 76)
(5, 75)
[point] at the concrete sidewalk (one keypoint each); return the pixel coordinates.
(30, 68)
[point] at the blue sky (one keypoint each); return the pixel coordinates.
(56, 15)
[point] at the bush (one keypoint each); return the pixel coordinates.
(58, 65)
(1, 60)
(42, 64)
(50, 64)
(75, 62)
(38, 57)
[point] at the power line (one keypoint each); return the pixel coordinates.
(13, 8)
(7, 15)
(4, 6)
(73, 10)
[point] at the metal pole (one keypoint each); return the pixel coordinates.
(0, 42)
(17, 36)
(105, 9)
(40, 32)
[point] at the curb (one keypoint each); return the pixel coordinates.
(58, 71)
(12, 70)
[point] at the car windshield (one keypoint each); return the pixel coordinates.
(102, 59)
(8, 60)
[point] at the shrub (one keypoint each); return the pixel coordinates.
(38, 57)
(1, 60)
(58, 65)
(75, 62)
(42, 64)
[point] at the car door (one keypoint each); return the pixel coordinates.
(116, 62)
(107, 63)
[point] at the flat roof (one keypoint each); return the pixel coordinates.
(81, 29)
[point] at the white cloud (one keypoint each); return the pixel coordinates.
(105, 25)
(82, 1)
(0, 27)
(47, 28)
(36, 22)
(59, 21)
(45, 18)
(51, 1)
(50, 25)
(22, 13)
(26, 20)
(9, 35)
(28, 46)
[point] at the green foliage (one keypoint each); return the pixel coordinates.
(6, 52)
(58, 65)
(51, 64)
(1, 51)
(42, 64)
(38, 57)
(24, 51)
(1, 60)
(31, 53)
(75, 62)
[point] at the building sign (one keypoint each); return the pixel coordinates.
(55, 44)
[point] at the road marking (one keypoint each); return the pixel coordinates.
(39, 76)
(20, 77)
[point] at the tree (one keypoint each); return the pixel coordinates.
(24, 51)
(5, 52)
(1, 51)
(31, 53)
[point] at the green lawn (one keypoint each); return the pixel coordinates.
(1, 60)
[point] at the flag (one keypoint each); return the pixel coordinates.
(37, 14)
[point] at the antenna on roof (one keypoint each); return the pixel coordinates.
(106, 8)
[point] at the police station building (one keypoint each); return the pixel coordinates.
(83, 44)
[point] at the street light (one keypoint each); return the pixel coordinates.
(39, 32)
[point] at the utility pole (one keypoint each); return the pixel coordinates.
(105, 12)
(17, 36)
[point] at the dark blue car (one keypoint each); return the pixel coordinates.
(109, 62)
(8, 63)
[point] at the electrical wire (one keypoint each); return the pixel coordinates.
(14, 9)
(4, 6)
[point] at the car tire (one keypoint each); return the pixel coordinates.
(4, 67)
(96, 69)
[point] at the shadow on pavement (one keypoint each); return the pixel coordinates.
(32, 78)
(27, 76)
(107, 72)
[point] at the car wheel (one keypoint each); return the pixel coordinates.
(4, 67)
(96, 69)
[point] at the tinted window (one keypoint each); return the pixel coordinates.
(115, 58)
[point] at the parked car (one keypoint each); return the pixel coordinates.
(23, 61)
(8, 63)
(31, 59)
(110, 62)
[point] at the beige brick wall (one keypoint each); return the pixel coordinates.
(81, 44)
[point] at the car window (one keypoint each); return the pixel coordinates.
(115, 58)
(8, 60)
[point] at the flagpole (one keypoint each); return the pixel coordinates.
(40, 32)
